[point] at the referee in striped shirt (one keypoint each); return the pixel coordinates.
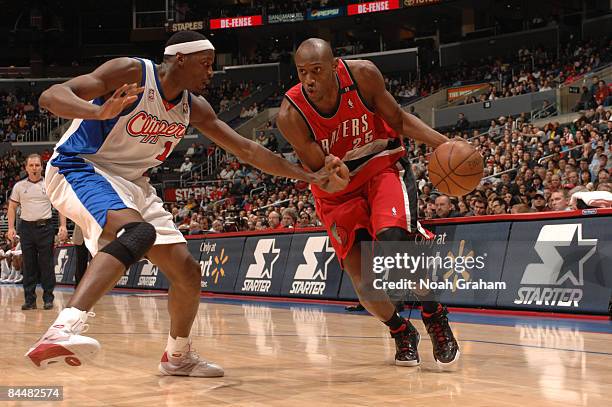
(36, 232)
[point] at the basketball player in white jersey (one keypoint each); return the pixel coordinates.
(129, 114)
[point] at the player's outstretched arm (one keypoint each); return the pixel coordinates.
(204, 119)
(372, 86)
(118, 77)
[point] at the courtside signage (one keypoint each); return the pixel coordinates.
(558, 266)
(263, 265)
(312, 268)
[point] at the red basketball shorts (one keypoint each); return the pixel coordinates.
(388, 199)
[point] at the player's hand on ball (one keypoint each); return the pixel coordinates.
(334, 175)
(122, 98)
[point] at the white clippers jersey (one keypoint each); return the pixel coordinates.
(140, 138)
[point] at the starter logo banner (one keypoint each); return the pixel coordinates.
(310, 278)
(559, 265)
(312, 268)
(62, 260)
(263, 265)
(563, 251)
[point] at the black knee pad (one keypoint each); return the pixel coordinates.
(133, 242)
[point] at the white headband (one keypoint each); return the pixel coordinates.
(189, 47)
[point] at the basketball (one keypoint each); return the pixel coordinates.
(455, 168)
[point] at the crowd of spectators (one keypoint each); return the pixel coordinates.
(11, 170)
(19, 113)
(228, 94)
(528, 169)
(529, 71)
(242, 198)
(541, 70)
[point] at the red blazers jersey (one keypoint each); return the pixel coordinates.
(354, 133)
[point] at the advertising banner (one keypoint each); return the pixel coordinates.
(324, 13)
(466, 283)
(285, 18)
(458, 92)
(220, 262)
(462, 265)
(64, 261)
(235, 22)
(347, 292)
(147, 276)
(312, 268)
(559, 265)
(416, 3)
(372, 7)
(186, 26)
(183, 194)
(263, 265)
(127, 279)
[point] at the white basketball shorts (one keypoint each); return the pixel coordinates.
(85, 193)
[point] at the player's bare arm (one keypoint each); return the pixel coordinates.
(295, 131)
(204, 119)
(118, 77)
(372, 87)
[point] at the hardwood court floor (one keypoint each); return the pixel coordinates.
(310, 355)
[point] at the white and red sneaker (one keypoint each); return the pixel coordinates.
(188, 363)
(63, 342)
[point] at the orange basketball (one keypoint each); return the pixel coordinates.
(455, 168)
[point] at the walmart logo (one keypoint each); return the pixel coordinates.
(219, 260)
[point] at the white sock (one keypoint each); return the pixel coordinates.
(176, 347)
(5, 268)
(71, 318)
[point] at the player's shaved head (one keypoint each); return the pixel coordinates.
(314, 49)
(316, 68)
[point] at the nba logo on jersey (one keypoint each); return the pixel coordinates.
(350, 103)
(151, 95)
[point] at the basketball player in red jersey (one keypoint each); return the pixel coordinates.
(342, 108)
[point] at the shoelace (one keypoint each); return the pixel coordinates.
(85, 328)
(404, 340)
(192, 354)
(405, 344)
(439, 331)
(80, 327)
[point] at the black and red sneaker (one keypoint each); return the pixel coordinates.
(445, 347)
(407, 340)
